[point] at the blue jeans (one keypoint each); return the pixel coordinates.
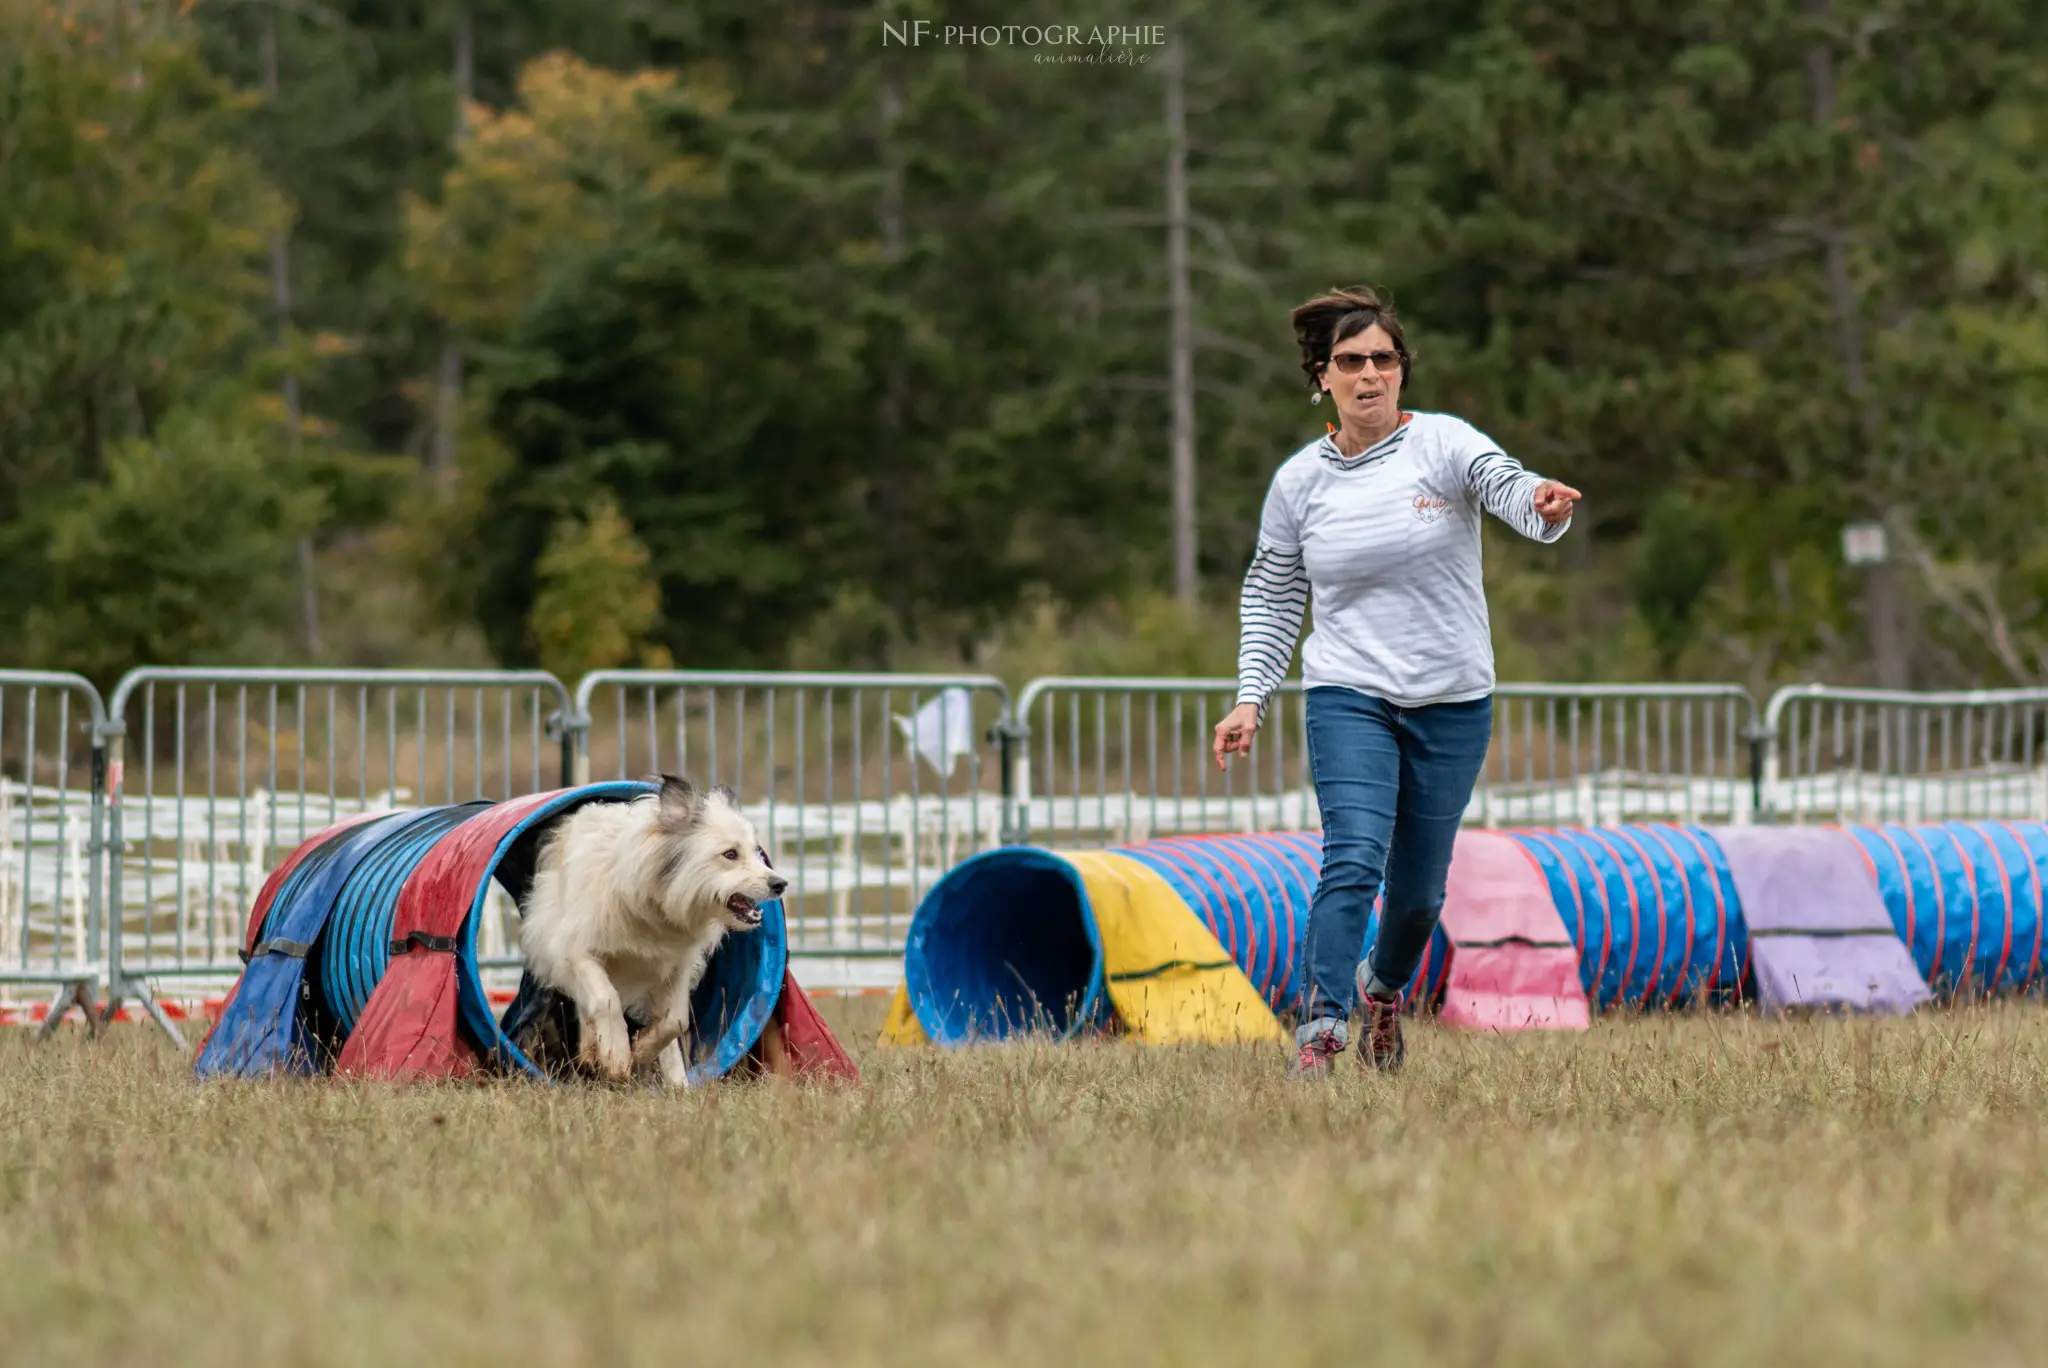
(1393, 784)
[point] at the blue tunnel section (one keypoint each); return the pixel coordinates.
(1651, 910)
(738, 993)
(1253, 893)
(1005, 942)
(356, 948)
(1966, 898)
(325, 945)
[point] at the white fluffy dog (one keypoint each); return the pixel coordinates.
(628, 902)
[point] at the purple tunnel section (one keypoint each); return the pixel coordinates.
(1820, 935)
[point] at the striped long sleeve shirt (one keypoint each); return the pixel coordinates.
(1385, 544)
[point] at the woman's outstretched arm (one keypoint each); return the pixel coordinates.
(1538, 508)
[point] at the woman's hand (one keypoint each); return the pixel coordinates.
(1554, 500)
(1235, 732)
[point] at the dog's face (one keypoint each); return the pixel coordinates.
(715, 860)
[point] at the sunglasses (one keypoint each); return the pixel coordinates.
(1351, 363)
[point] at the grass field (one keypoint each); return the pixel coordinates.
(1659, 1191)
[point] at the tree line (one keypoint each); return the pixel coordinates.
(736, 333)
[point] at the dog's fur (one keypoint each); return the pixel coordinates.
(628, 902)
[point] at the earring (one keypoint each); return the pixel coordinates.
(1316, 398)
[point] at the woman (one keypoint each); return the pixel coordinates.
(1379, 523)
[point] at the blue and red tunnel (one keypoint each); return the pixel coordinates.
(361, 957)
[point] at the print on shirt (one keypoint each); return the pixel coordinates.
(1431, 508)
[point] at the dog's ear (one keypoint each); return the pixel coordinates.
(678, 796)
(724, 794)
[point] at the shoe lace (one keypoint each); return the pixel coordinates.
(1317, 1047)
(1385, 1020)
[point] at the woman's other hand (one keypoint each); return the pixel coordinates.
(1235, 732)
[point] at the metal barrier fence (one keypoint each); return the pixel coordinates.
(137, 834)
(1103, 761)
(856, 781)
(52, 808)
(1863, 755)
(214, 776)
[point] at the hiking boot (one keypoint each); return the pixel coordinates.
(1382, 1047)
(1312, 1057)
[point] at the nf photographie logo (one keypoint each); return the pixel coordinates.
(1110, 45)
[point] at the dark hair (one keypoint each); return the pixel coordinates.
(1326, 320)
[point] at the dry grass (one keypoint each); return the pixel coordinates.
(1666, 1191)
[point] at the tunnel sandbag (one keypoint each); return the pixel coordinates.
(277, 1022)
(1652, 910)
(1022, 939)
(1820, 935)
(1965, 898)
(1512, 966)
(412, 1025)
(224, 1049)
(798, 1040)
(1169, 980)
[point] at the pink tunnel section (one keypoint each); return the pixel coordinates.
(1513, 965)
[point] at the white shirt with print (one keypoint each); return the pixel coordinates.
(1386, 544)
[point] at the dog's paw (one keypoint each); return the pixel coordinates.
(674, 1072)
(653, 1041)
(605, 1051)
(616, 1065)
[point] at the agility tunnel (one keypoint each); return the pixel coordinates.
(1192, 938)
(361, 957)
(1197, 938)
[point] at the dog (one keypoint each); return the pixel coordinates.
(629, 900)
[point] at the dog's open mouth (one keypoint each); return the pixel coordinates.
(744, 907)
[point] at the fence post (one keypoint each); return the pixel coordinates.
(572, 727)
(1763, 749)
(1012, 735)
(98, 928)
(115, 731)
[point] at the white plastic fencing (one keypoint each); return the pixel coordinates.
(1866, 755)
(134, 838)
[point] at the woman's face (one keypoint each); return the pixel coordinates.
(1367, 395)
